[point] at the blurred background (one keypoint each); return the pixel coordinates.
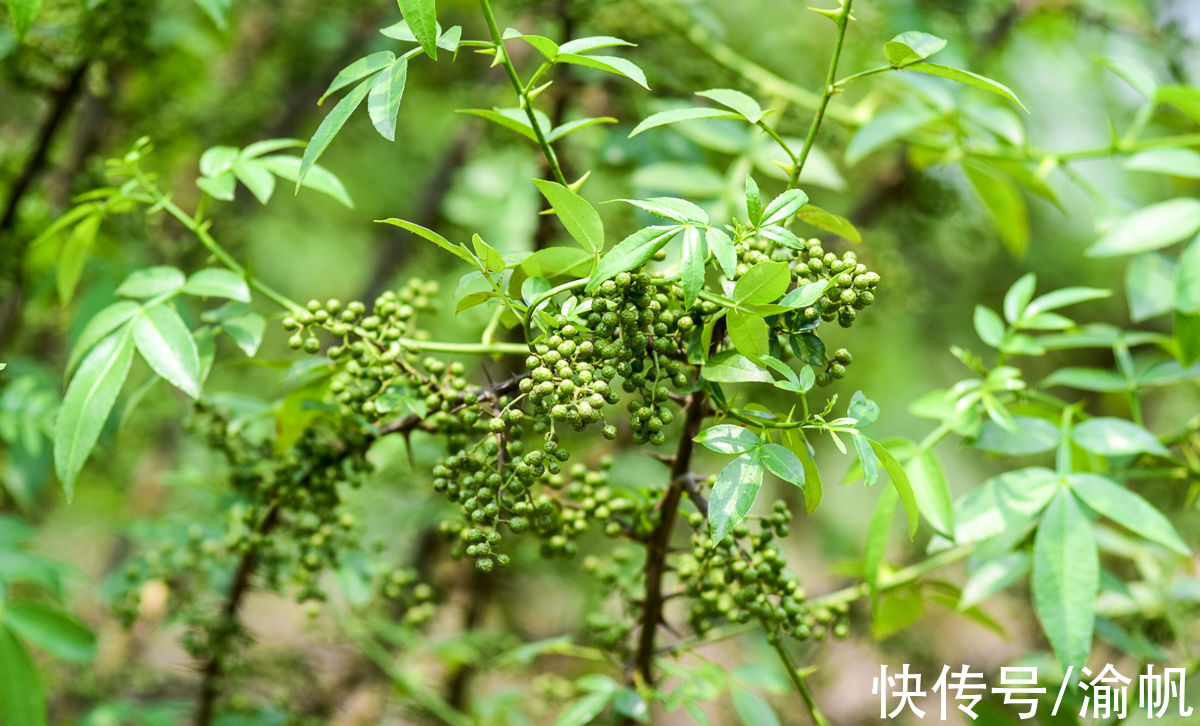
(92, 77)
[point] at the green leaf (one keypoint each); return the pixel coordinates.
(24, 12)
(421, 16)
(628, 702)
(74, 255)
(631, 252)
(1176, 162)
(62, 635)
(1127, 509)
(1004, 204)
(1150, 228)
(804, 296)
(492, 260)
(863, 410)
(1066, 577)
(87, 403)
(1135, 73)
(754, 208)
(330, 126)
(1030, 436)
(1062, 298)
(1003, 506)
(970, 79)
(877, 537)
(763, 283)
(1184, 98)
(247, 331)
(727, 439)
(152, 282)
(722, 248)
(387, 91)
(218, 282)
(257, 178)
(992, 576)
(1187, 335)
(1087, 379)
(357, 70)
(911, 47)
(746, 106)
(1018, 296)
(931, 492)
(220, 187)
(22, 700)
(901, 484)
(751, 708)
(693, 256)
(101, 324)
(886, 127)
(592, 42)
(458, 250)
(319, 179)
(570, 127)
(828, 221)
(556, 261)
(733, 494)
(1116, 437)
(989, 326)
(676, 115)
(781, 462)
(610, 63)
(748, 333)
(585, 709)
(510, 119)
(580, 218)
(867, 460)
(731, 367)
(678, 210)
(1187, 278)
(783, 206)
(166, 344)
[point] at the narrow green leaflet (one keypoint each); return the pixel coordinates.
(900, 483)
(555, 261)
(329, 128)
(421, 16)
(1116, 437)
(632, 252)
(1187, 278)
(763, 283)
(806, 294)
(751, 708)
(674, 116)
(1087, 379)
(87, 403)
(731, 367)
(101, 324)
(867, 460)
(693, 255)
(62, 635)
(357, 70)
(458, 250)
(678, 210)
(993, 576)
(744, 105)
(783, 206)
(1062, 298)
(1176, 162)
(569, 127)
(911, 47)
(727, 439)
(74, 255)
(1187, 335)
(988, 326)
(877, 536)
(585, 709)
(1004, 204)
(1029, 436)
(722, 248)
(781, 462)
(319, 179)
(885, 127)
(383, 102)
(511, 119)
(1184, 98)
(217, 282)
(970, 79)
(1066, 577)
(733, 494)
(580, 218)
(1127, 509)
(152, 282)
(1150, 228)
(166, 344)
(610, 63)
(591, 42)
(256, 177)
(863, 410)
(23, 12)
(247, 331)
(931, 492)
(821, 219)
(22, 700)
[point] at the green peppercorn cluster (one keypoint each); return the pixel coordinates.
(744, 577)
(851, 288)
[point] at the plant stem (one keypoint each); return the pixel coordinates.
(829, 89)
(523, 92)
(814, 711)
(435, 346)
(660, 539)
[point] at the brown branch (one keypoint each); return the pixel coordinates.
(660, 539)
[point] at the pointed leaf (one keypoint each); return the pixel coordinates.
(727, 439)
(733, 494)
(722, 248)
(62, 635)
(218, 282)
(783, 206)
(387, 91)
(580, 218)
(610, 63)
(782, 463)
(330, 126)
(357, 70)
(931, 492)
(911, 47)
(691, 264)
(970, 79)
(746, 106)
(101, 324)
(1127, 509)
(673, 116)
(765, 282)
(167, 345)
(421, 16)
(1066, 577)
(1150, 228)
(900, 483)
(1116, 437)
(731, 367)
(631, 252)
(22, 700)
(319, 179)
